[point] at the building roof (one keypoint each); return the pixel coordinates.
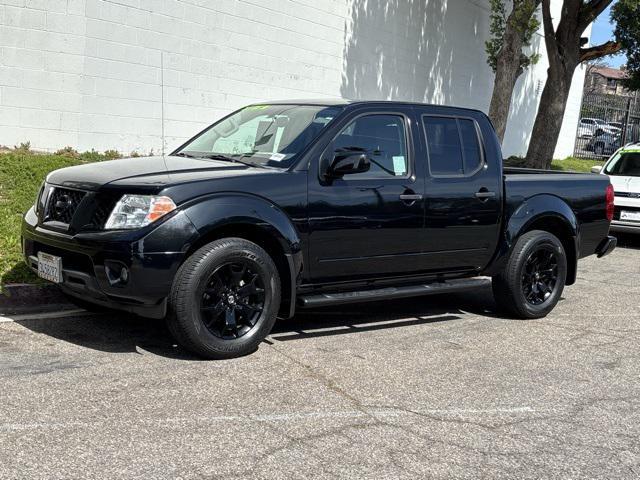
(608, 72)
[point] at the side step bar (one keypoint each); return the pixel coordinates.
(326, 299)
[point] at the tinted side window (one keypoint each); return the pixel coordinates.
(443, 141)
(383, 138)
(470, 146)
(453, 145)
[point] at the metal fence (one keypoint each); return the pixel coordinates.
(606, 123)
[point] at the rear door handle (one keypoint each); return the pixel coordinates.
(410, 197)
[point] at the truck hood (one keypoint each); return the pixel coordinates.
(148, 172)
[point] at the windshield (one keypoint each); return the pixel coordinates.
(624, 163)
(270, 135)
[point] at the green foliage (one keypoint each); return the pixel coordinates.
(24, 147)
(625, 15)
(21, 175)
(68, 152)
(525, 22)
(112, 154)
(497, 25)
(569, 164)
(573, 164)
(92, 156)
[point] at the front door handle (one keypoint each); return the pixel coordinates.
(485, 194)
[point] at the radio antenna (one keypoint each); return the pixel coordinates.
(162, 98)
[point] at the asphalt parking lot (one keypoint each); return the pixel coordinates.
(437, 387)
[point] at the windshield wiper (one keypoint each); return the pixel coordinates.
(226, 158)
(184, 154)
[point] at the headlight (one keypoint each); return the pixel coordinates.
(135, 211)
(36, 205)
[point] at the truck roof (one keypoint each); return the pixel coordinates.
(329, 102)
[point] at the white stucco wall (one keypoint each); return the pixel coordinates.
(104, 73)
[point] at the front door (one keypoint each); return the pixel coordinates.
(368, 224)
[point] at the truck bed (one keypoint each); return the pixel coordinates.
(583, 193)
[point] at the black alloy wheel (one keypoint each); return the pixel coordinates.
(540, 275)
(533, 278)
(233, 300)
(224, 299)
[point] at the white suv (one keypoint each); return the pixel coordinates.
(623, 169)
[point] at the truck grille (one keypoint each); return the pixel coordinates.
(77, 210)
(104, 206)
(62, 204)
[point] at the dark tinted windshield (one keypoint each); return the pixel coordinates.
(625, 163)
(265, 134)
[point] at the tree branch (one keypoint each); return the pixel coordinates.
(590, 11)
(607, 48)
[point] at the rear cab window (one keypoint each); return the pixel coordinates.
(453, 145)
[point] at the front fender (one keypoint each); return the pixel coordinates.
(534, 211)
(221, 209)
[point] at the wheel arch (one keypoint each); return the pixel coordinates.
(548, 213)
(259, 221)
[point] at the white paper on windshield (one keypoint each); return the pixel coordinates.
(277, 157)
(399, 165)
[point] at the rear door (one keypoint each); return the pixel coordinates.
(463, 189)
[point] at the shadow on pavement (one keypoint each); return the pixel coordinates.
(354, 318)
(124, 333)
(627, 240)
(112, 332)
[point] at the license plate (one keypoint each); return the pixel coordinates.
(50, 267)
(627, 215)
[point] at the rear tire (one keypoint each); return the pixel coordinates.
(224, 299)
(534, 276)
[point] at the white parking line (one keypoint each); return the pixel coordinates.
(44, 315)
(290, 417)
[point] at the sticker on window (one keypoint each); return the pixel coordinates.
(277, 157)
(399, 165)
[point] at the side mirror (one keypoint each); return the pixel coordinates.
(347, 163)
(596, 169)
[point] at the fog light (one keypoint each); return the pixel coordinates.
(117, 273)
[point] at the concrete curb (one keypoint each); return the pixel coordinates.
(26, 298)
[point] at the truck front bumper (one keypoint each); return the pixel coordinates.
(93, 262)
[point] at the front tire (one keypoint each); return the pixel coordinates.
(534, 276)
(224, 299)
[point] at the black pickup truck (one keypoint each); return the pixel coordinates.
(303, 204)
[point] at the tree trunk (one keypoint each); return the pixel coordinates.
(546, 128)
(507, 72)
(565, 54)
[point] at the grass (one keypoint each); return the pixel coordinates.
(575, 164)
(569, 164)
(21, 174)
